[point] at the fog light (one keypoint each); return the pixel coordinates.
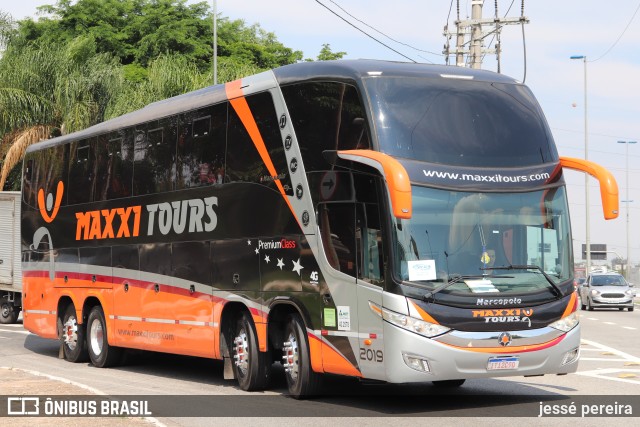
(416, 362)
(571, 356)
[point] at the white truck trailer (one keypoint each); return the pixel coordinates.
(10, 258)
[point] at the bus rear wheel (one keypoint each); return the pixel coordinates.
(72, 336)
(251, 367)
(102, 355)
(301, 380)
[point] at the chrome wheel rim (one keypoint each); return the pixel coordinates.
(96, 337)
(241, 351)
(70, 332)
(291, 357)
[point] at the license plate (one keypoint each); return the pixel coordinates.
(500, 363)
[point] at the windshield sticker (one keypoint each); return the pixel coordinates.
(344, 318)
(422, 270)
(330, 317)
(480, 286)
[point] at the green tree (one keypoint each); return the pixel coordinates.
(326, 54)
(49, 90)
(138, 31)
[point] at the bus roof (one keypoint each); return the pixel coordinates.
(361, 68)
(341, 70)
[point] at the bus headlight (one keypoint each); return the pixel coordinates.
(409, 323)
(566, 323)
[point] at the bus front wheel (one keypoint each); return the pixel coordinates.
(102, 355)
(301, 380)
(72, 335)
(251, 367)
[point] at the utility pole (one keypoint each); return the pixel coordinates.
(472, 29)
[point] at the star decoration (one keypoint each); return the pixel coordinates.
(297, 267)
(249, 242)
(267, 259)
(257, 251)
(280, 263)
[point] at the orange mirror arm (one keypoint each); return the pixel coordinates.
(395, 174)
(608, 184)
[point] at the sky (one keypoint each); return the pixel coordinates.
(605, 32)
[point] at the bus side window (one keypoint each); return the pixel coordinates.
(82, 172)
(119, 164)
(337, 223)
(201, 147)
(369, 243)
(155, 156)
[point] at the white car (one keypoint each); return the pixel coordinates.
(609, 290)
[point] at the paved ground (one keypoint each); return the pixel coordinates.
(17, 383)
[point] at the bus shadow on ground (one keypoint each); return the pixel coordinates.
(338, 396)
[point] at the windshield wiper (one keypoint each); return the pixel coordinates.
(556, 290)
(456, 278)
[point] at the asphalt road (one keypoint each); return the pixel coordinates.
(609, 370)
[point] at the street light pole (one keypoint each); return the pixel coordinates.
(586, 176)
(626, 143)
(215, 42)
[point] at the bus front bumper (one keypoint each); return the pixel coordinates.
(410, 357)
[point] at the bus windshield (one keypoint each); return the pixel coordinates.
(459, 122)
(485, 242)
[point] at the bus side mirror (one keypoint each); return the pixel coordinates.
(608, 184)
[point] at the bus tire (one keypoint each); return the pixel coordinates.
(72, 334)
(8, 313)
(251, 367)
(302, 382)
(102, 355)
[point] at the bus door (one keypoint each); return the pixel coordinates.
(370, 279)
(339, 302)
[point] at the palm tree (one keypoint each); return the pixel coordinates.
(49, 90)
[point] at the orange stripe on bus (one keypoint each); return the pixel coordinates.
(241, 107)
(508, 349)
(425, 316)
(334, 362)
(572, 305)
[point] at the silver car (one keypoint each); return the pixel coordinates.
(606, 290)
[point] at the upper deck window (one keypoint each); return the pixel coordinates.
(455, 122)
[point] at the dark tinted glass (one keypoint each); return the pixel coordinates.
(119, 175)
(201, 145)
(264, 112)
(243, 160)
(459, 122)
(43, 170)
(82, 173)
(326, 116)
(154, 158)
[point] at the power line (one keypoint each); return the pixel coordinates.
(380, 32)
(620, 36)
(364, 32)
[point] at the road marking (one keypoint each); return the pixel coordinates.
(592, 318)
(619, 353)
(14, 325)
(609, 323)
(90, 389)
(629, 328)
(16, 332)
(602, 359)
(599, 374)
